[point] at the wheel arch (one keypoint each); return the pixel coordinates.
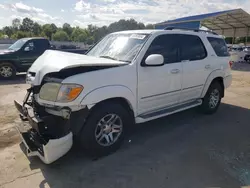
(117, 94)
(215, 76)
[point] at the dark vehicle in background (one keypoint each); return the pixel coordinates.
(20, 55)
(247, 56)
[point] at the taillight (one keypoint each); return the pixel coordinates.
(230, 64)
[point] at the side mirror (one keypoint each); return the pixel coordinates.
(154, 60)
(27, 49)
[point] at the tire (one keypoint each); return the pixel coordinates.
(90, 133)
(215, 91)
(7, 71)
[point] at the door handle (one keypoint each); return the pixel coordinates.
(175, 71)
(207, 66)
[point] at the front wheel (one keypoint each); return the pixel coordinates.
(212, 99)
(7, 71)
(104, 130)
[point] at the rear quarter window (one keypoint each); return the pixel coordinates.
(219, 46)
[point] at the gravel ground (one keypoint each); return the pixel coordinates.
(183, 150)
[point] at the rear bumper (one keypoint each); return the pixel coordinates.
(228, 81)
(36, 144)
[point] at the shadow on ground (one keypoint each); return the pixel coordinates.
(245, 66)
(183, 150)
(19, 79)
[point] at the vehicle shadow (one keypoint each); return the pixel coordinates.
(183, 150)
(19, 79)
(241, 66)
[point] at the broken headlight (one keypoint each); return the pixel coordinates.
(60, 92)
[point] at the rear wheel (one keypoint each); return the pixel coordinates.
(212, 99)
(105, 129)
(7, 71)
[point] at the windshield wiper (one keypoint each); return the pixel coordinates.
(108, 57)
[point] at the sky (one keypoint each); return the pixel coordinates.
(103, 12)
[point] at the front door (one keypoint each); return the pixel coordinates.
(30, 52)
(196, 66)
(160, 87)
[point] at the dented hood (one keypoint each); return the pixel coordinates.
(54, 61)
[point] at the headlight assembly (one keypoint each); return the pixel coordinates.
(60, 92)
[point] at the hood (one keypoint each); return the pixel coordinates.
(55, 61)
(7, 51)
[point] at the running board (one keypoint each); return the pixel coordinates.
(167, 111)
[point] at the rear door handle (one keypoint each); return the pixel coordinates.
(207, 67)
(175, 71)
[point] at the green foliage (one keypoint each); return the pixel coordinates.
(150, 26)
(90, 40)
(27, 25)
(16, 23)
(48, 30)
(8, 30)
(20, 34)
(67, 28)
(79, 34)
(37, 29)
(28, 28)
(60, 36)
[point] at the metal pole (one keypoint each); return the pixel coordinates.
(234, 36)
(247, 36)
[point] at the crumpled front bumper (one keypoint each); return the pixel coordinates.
(48, 150)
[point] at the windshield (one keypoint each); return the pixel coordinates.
(120, 46)
(18, 44)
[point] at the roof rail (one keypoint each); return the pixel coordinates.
(190, 29)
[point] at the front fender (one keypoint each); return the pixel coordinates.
(215, 74)
(108, 92)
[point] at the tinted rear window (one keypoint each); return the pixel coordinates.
(192, 48)
(219, 46)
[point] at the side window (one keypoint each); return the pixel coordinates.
(30, 45)
(165, 45)
(219, 46)
(40, 45)
(192, 48)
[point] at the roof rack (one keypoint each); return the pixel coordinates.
(190, 29)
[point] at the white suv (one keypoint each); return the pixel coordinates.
(128, 77)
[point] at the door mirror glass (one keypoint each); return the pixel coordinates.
(154, 60)
(27, 49)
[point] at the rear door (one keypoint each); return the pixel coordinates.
(196, 66)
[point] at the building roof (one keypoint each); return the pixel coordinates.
(230, 23)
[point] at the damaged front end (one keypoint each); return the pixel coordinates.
(47, 132)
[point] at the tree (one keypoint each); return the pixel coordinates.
(47, 30)
(79, 34)
(53, 28)
(67, 28)
(27, 25)
(16, 23)
(60, 36)
(20, 34)
(1, 35)
(90, 40)
(8, 31)
(100, 33)
(37, 29)
(150, 26)
(125, 25)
